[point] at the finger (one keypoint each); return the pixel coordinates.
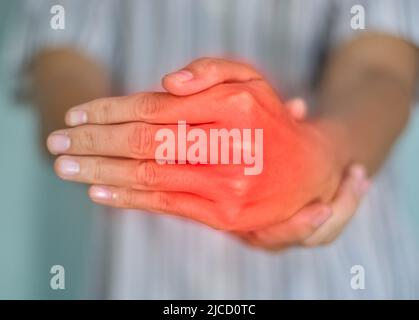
(136, 174)
(297, 108)
(153, 107)
(166, 144)
(204, 73)
(133, 140)
(294, 230)
(174, 203)
(344, 206)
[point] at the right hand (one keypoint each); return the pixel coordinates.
(314, 225)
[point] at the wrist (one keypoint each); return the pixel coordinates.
(335, 138)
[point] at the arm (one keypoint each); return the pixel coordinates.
(365, 97)
(364, 103)
(63, 78)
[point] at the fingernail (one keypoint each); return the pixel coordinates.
(68, 167)
(100, 193)
(361, 187)
(358, 172)
(321, 217)
(77, 117)
(360, 182)
(58, 143)
(182, 75)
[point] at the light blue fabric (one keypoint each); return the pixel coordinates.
(406, 154)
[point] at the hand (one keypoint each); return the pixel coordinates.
(317, 224)
(301, 163)
(314, 225)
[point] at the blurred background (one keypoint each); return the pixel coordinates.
(45, 221)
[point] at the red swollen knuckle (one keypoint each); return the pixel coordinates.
(242, 101)
(229, 217)
(239, 188)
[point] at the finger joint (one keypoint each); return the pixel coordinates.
(141, 141)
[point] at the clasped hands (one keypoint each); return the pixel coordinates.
(305, 194)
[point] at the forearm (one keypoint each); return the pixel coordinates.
(63, 78)
(365, 97)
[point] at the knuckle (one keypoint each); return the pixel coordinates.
(209, 66)
(140, 140)
(102, 110)
(97, 170)
(239, 188)
(212, 66)
(242, 100)
(147, 106)
(146, 174)
(87, 141)
(163, 202)
(229, 218)
(127, 198)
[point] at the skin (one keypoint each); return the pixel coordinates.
(349, 103)
(220, 196)
(62, 78)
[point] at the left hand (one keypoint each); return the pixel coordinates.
(305, 229)
(189, 191)
(314, 225)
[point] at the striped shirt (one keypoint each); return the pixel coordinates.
(143, 255)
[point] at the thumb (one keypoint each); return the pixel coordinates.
(204, 73)
(290, 232)
(297, 108)
(344, 206)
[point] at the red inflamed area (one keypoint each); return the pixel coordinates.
(257, 181)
